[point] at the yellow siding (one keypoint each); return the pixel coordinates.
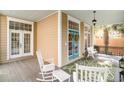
(47, 37)
(81, 38)
(3, 38)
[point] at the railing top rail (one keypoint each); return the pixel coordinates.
(109, 46)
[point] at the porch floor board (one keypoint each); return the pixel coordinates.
(22, 71)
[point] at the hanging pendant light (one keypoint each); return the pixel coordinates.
(94, 20)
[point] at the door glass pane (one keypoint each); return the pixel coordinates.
(27, 43)
(14, 43)
(26, 27)
(70, 48)
(76, 43)
(70, 45)
(73, 44)
(70, 36)
(89, 41)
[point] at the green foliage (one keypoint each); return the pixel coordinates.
(118, 27)
(115, 27)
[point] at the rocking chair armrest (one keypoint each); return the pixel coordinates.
(49, 67)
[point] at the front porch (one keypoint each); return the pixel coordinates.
(58, 35)
(27, 70)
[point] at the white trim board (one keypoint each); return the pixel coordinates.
(73, 19)
(19, 20)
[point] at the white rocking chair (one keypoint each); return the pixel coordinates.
(46, 70)
(90, 74)
(91, 52)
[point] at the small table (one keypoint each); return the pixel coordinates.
(105, 63)
(61, 75)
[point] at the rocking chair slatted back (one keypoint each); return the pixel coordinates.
(40, 59)
(90, 74)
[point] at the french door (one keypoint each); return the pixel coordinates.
(20, 43)
(73, 44)
(15, 44)
(88, 36)
(20, 36)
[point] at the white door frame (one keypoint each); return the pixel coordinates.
(8, 38)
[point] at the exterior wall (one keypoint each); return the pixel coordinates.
(117, 42)
(115, 45)
(3, 38)
(47, 37)
(82, 47)
(99, 42)
(64, 39)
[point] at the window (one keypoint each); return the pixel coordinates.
(20, 26)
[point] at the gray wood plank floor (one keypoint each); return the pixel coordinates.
(22, 71)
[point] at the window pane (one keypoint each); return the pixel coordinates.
(26, 43)
(11, 25)
(14, 43)
(30, 27)
(26, 27)
(21, 26)
(16, 25)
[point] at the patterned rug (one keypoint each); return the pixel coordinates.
(70, 68)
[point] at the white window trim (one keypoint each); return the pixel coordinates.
(8, 34)
(77, 21)
(59, 38)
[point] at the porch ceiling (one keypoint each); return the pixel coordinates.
(31, 15)
(103, 16)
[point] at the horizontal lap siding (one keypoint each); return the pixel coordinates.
(47, 37)
(3, 38)
(82, 38)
